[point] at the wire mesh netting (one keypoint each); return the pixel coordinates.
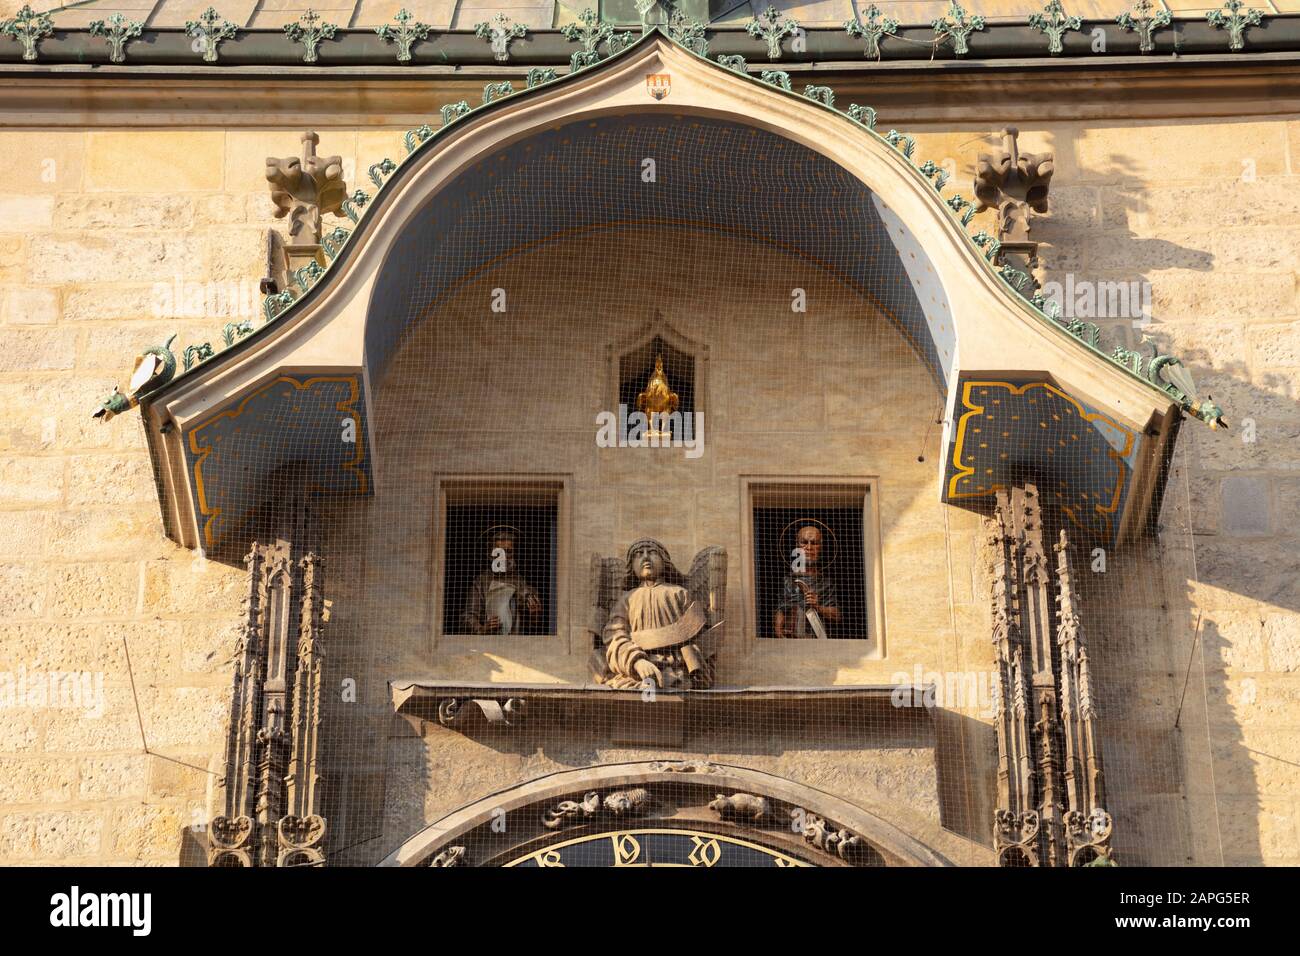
(659, 476)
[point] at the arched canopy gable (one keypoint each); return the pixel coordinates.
(968, 325)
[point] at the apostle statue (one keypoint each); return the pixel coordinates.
(809, 607)
(500, 598)
(656, 633)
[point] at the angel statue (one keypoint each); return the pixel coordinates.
(662, 630)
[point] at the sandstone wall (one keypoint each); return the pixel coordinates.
(100, 228)
(1204, 213)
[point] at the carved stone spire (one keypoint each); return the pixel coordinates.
(1087, 824)
(270, 793)
(1049, 810)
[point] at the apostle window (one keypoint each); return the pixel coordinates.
(813, 548)
(499, 568)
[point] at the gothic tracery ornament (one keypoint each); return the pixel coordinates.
(1051, 798)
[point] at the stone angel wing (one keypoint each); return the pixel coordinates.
(707, 583)
(606, 586)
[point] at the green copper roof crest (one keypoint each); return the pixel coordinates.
(310, 31)
(1239, 17)
(956, 25)
(773, 26)
(499, 32)
(1145, 21)
(689, 33)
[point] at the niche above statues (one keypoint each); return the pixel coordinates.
(659, 373)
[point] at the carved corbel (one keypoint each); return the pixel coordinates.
(506, 712)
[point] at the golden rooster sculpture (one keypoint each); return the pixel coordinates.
(658, 400)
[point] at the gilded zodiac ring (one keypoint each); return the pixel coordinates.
(627, 849)
(704, 852)
(787, 541)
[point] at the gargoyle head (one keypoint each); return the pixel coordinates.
(115, 404)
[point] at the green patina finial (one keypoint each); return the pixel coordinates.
(956, 26)
(1239, 17)
(27, 27)
(590, 31)
(1144, 22)
(118, 30)
(310, 30)
(407, 32)
(875, 29)
(1055, 23)
(773, 26)
(210, 30)
(499, 31)
(689, 32)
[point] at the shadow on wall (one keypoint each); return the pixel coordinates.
(1181, 720)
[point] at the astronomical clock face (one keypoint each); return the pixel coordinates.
(667, 847)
